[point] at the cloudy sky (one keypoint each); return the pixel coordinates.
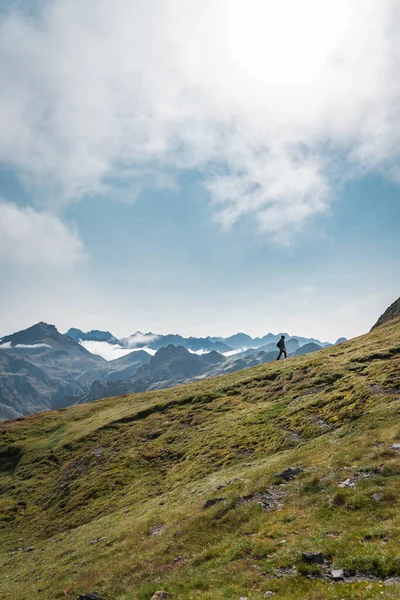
(199, 166)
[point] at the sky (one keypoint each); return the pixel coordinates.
(199, 167)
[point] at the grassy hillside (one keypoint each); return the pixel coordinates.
(112, 496)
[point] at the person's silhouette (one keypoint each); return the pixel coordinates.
(282, 347)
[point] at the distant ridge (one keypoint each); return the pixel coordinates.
(155, 341)
(94, 335)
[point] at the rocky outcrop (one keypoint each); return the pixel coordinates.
(161, 595)
(290, 473)
(393, 312)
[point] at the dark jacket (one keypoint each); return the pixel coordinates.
(281, 344)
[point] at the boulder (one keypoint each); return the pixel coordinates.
(313, 557)
(213, 501)
(161, 595)
(337, 574)
(347, 483)
(290, 473)
(377, 497)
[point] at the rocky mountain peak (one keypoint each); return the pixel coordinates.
(94, 335)
(168, 353)
(33, 335)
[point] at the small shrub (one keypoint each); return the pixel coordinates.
(309, 570)
(313, 486)
(360, 501)
(340, 498)
(377, 565)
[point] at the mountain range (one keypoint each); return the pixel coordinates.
(43, 369)
(155, 341)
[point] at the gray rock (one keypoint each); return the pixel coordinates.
(156, 530)
(313, 557)
(285, 571)
(268, 500)
(213, 501)
(290, 473)
(395, 446)
(96, 540)
(347, 483)
(392, 581)
(267, 594)
(377, 497)
(320, 422)
(161, 595)
(337, 574)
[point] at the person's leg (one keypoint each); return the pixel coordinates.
(285, 353)
(279, 355)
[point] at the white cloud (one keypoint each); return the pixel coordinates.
(111, 351)
(104, 349)
(199, 352)
(30, 237)
(146, 349)
(226, 354)
(31, 346)
(139, 338)
(8, 346)
(233, 352)
(273, 101)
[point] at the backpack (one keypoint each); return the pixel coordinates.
(278, 345)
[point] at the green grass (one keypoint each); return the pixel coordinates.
(138, 469)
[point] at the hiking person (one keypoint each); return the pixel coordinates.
(282, 347)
